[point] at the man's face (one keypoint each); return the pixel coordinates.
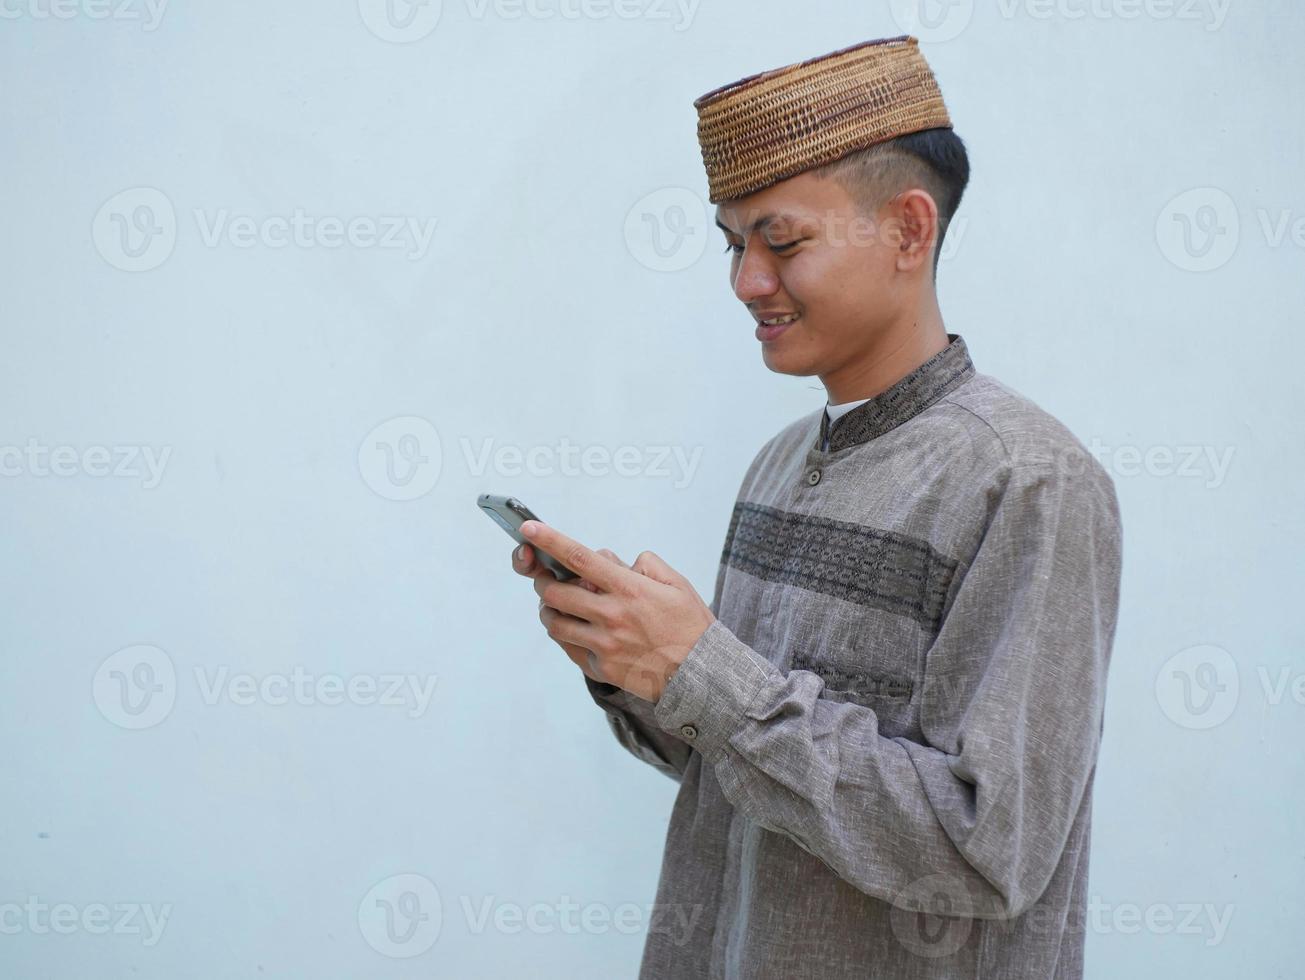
(819, 257)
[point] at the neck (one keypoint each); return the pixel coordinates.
(891, 356)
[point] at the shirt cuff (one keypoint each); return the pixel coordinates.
(599, 690)
(707, 698)
(617, 701)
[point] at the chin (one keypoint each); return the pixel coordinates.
(782, 362)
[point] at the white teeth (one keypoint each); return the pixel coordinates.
(781, 319)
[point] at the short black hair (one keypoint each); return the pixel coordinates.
(934, 159)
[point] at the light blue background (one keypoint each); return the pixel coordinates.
(542, 311)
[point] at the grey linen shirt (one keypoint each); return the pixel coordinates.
(886, 742)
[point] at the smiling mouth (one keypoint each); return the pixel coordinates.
(771, 328)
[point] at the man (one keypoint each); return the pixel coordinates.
(885, 726)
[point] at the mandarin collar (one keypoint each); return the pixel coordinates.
(946, 370)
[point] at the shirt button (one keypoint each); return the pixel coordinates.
(688, 731)
(813, 477)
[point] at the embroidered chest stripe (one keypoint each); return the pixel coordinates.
(884, 570)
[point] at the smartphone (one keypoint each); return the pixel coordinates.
(510, 513)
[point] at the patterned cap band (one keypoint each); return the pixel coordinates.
(768, 127)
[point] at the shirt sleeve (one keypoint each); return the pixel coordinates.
(631, 717)
(1011, 709)
(631, 721)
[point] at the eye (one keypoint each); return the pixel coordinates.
(780, 247)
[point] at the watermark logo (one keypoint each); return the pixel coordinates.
(401, 459)
(400, 21)
(666, 231)
(136, 687)
(964, 451)
(1199, 230)
(834, 228)
(933, 21)
(1198, 687)
(934, 916)
(401, 916)
(136, 229)
(405, 21)
(928, 916)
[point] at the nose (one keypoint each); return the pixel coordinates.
(755, 276)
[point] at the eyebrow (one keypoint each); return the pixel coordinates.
(761, 222)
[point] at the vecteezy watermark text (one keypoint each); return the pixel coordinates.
(566, 458)
(411, 691)
(1188, 461)
(136, 687)
(406, 21)
(935, 21)
(64, 918)
(668, 230)
(136, 230)
(149, 12)
(1200, 686)
(1200, 230)
(403, 458)
(489, 913)
(37, 459)
(933, 916)
(402, 916)
(302, 230)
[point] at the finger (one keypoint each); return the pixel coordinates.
(611, 556)
(567, 629)
(655, 568)
(582, 657)
(608, 553)
(606, 574)
(523, 559)
(585, 660)
(589, 605)
(531, 567)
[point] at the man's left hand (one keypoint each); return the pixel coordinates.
(640, 624)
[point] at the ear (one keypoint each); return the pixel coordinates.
(913, 224)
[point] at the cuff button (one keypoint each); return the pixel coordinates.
(688, 731)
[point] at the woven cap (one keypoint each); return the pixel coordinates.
(767, 127)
